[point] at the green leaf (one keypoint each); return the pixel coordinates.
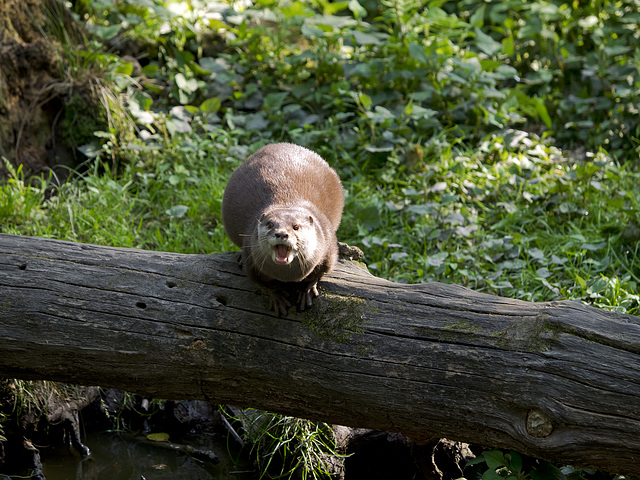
(188, 86)
(107, 33)
(331, 8)
(398, 256)
(546, 471)
(191, 109)
(125, 68)
(178, 126)
(183, 97)
(211, 105)
(158, 437)
(357, 9)
(296, 9)
(437, 259)
(536, 253)
(477, 19)
(615, 50)
(491, 475)
(197, 69)
(594, 247)
(365, 100)
(363, 38)
(90, 150)
(495, 459)
(150, 69)
(370, 217)
(475, 461)
(143, 100)
(597, 287)
(274, 100)
(417, 52)
(541, 108)
(310, 31)
(177, 211)
(588, 22)
(515, 461)
(216, 25)
(508, 45)
(485, 43)
(502, 284)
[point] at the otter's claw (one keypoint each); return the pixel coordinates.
(279, 303)
(305, 300)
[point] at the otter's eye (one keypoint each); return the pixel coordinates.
(296, 226)
(269, 225)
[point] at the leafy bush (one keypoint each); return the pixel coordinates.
(385, 79)
(580, 57)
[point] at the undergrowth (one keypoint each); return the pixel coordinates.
(286, 447)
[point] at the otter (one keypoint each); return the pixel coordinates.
(282, 207)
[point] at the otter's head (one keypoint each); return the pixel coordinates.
(287, 241)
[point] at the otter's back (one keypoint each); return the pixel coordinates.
(281, 174)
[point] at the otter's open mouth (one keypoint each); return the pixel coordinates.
(282, 253)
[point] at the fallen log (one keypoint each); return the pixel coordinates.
(556, 380)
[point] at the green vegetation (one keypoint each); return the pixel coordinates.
(429, 113)
(512, 466)
(490, 144)
(288, 447)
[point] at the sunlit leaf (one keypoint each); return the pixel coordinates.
(357, 9)
(158, 437)
(177, 211)
(125, 68)
(594, 247)
(437, 259)
(485, 43)
(363, 38)
(211, 105)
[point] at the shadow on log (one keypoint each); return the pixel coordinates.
(557, 380)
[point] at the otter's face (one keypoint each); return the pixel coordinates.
(286, 233)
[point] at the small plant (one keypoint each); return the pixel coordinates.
(26, 398)
(510, 466)
(3, 418)
(288, 447)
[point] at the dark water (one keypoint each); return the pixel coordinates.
(121, 456)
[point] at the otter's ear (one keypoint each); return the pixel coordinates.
(310, 220)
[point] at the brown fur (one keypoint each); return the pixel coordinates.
(288, 195)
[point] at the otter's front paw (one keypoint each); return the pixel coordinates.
(279, 303)
(306, 296)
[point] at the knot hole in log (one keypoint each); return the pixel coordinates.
(538, 424)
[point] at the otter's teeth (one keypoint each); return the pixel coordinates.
(282, 253)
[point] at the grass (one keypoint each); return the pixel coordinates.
(286, 447)
(523, 221)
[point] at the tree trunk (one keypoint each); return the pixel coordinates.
(556, 380)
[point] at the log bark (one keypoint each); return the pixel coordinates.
(557, 380)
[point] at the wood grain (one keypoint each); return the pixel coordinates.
(558, 380)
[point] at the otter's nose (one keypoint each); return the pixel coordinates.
(282, 236)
